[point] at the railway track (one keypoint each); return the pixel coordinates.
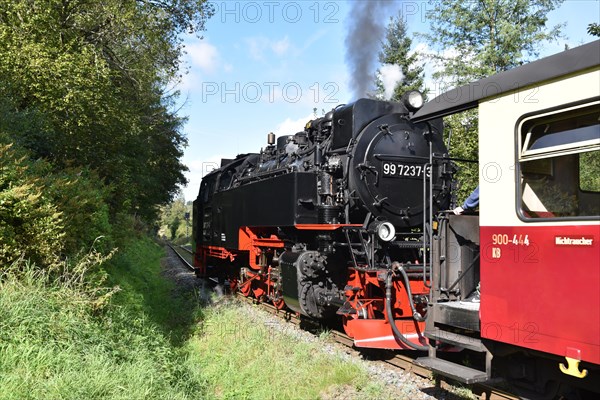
(403, 362)
(184, 254)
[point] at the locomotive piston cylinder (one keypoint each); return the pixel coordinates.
(328, 214)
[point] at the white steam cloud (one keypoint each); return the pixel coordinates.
(390, 75)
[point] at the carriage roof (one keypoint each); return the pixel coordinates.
(468, 96)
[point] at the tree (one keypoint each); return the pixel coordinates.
(476, 39)
(173, 223)
(396, 50)
(98, 73)
(483, 37)
(593, 29)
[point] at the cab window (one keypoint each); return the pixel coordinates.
(206, 190)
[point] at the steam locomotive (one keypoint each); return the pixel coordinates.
(348, 219)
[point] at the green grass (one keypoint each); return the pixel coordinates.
(242, 360)
(56, 344)
(57, 341)
(144, 291)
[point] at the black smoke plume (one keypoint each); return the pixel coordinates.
(366, 26)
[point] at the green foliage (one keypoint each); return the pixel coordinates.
(173, 224)
(396, 51)
(589, 171)
(96, 74)
(461, 129)
(82, 199)
(31, 226)
(484, 37)
(27, 128)
(593, 29)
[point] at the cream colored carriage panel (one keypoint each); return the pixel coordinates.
(498, 118)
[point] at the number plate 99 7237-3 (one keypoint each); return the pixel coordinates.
(404, 170)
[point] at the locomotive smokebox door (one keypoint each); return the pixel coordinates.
(390, 164)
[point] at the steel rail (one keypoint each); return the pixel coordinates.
(180, 256)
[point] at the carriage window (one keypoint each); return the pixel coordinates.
(559, 164)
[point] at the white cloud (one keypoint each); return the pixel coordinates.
(256, 46)
(203, 55)
(290, 126)
(202, 59)
(259, 45)
(281, 46)
(188, 81)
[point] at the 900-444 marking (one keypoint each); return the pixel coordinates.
(494, 249)
(504, 239)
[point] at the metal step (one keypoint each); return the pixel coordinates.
(457, 339)
(452, 370)
(460, 314)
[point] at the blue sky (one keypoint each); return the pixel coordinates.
(263, 66)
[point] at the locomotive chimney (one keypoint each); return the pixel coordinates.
(271, 138)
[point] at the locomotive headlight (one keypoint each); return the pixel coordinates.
(413, 100)
(384, 230)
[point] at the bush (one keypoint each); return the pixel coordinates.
(49, 216)
(81, 197)
(31, 226)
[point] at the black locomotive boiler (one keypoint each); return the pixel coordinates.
(328, 220)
